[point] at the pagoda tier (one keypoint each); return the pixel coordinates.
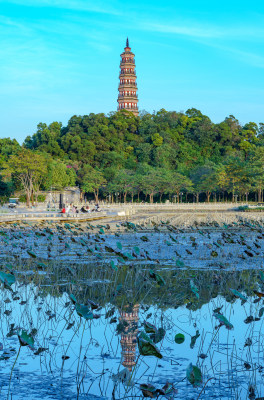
(127, 97)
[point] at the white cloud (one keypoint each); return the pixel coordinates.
(250, 58)
(194, 29)
(200, 32)
(78, 5)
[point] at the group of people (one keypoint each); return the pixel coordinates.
(74, 209)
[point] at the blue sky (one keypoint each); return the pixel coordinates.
(61, 57)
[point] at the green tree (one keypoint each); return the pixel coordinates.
(91, 180)
(204, 180)
(150, 183)
(124, 182)
(29, 168)
(8, 147)
(178, 183)
(46, 139)
(222, 180)
(256, 171)
(59, 175)
(238, 176)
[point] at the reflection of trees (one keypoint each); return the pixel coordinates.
(133, 285)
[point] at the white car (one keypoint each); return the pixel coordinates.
(13, 202)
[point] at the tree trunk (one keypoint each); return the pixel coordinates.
(125, 196)
(96, 195)
(208, 195)
(28, 199)
(138, 197)
(259, 195)
(160, 197)
(197, 197)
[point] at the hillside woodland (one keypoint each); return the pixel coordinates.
(153, 157)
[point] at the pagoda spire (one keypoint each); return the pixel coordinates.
(127, 97)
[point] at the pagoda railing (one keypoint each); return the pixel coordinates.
(128, 84)
(123, 62)
(127, 73)
(128, 107)
(128, 96)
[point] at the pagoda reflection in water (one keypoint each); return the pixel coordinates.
(129, 318)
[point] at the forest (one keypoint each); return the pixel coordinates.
(183, 157)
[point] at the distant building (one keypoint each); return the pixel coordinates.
(65, 196)
(127, 98)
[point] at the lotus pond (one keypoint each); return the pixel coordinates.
(127, 311)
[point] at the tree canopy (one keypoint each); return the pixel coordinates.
(154, 155)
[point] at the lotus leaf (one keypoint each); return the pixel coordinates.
(179, 338)
(83, 311)
(119, 245)
(238, 294)
(25, 339)
(223, 320)
(147, 347)
(7, 279)
(148, 390)
(158, 336)
(149, 328)
(194, 375)
(33, 255)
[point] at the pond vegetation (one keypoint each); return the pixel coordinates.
(127, 311)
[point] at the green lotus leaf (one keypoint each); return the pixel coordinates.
(113, 266)
(73, 298)
(179, 338)
(33, 255)
(193, 339)
(223, 320)
(194, 375)
(137, 250)
(149, 328)
(83, 311)
(148, 390)
(158, 336)
(119, 245)
(238, 294)
(147, 347)
(7, 279)
(25, 339)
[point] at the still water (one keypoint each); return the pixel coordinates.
(74, 357)
(87, 314)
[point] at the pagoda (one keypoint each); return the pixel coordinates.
(129, 336)
(127, 98)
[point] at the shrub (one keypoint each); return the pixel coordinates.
(23, 198)
(41, 198)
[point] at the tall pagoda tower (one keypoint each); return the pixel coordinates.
(127, 98)
(129, 336)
